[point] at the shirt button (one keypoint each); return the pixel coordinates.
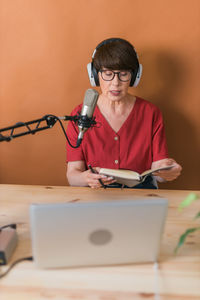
(116, 138)
(116, 161)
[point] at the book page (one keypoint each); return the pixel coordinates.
(120, 173)
(149, 172)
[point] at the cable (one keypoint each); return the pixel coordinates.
(92, 123)
(14, 226)
(61, 124)
(29, 258)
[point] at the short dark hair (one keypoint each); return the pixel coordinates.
(115, 54)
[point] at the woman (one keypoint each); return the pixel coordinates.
(130, 134)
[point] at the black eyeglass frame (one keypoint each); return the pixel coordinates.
(118, 74)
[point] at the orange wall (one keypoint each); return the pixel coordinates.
(45, 46)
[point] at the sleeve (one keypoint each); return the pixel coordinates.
(159, 142)
(73, 154)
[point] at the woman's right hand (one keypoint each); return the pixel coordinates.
(77, 175)
(93, 178)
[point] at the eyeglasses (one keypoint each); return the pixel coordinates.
(109, 75)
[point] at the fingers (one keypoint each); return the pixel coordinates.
(108, 180)
(105, 180)
(93, 180)
(167, 175)
(171, 174)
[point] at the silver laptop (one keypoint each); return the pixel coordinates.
(97, 233)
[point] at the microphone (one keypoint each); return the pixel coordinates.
(84, 122)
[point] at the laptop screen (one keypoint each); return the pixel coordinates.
(97, 233)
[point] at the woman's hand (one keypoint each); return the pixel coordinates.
(77, 175)
(93, 179)
(166, 175)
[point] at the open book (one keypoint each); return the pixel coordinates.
(128, 177)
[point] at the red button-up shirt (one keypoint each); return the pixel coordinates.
(140, 140)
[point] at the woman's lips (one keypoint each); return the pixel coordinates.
(115, 93)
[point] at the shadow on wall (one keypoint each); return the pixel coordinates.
(164, 77)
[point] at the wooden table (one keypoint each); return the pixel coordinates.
(178, 277)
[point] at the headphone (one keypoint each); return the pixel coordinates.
(93, 73)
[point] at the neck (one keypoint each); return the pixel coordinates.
(116, 107)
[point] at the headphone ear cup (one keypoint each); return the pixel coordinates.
(90, 74)
(93, 75)
(138, 76)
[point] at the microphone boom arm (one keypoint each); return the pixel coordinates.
(50, 122)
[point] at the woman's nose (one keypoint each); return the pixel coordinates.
(116, 80)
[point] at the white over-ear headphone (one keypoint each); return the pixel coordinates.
(93, 73)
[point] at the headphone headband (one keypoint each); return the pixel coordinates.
(107, 41)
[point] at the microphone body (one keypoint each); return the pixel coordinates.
(84, 122)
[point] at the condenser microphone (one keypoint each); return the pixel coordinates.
(84, 122)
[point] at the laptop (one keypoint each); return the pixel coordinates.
(97, 233)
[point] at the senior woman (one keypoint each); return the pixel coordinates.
(131, 132)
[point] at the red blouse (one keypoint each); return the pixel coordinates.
(140, 141)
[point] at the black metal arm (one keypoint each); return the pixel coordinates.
(50, 121)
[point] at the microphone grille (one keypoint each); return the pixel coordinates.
(91, 97)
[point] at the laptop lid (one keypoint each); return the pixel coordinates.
(97, 233)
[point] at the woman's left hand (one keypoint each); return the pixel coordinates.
(166, 175)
